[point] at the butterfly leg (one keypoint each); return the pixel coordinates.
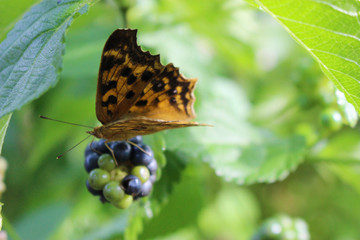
(135, 145)
(112, 152)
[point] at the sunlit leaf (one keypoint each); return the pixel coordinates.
(4, 123)
(329, 31)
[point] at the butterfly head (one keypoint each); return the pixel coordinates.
(96, 132)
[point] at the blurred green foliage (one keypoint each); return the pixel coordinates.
(264, 94)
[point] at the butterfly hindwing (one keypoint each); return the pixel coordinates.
(124, 72)
(169, 96)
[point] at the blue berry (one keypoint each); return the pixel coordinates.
(137, 140)
(88, 150)
(145, 189)
(132, 185)
(91, 161)
(152, 178)
(138, 157)
(152, 166)
(100, 146)
(122, 151)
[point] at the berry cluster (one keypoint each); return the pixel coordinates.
(283, 227)
(121, 180)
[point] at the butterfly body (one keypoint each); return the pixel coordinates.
(126, 129)
(136, 94)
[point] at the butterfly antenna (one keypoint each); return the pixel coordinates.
(61, 155)
(75, 124)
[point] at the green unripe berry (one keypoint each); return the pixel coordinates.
(118, 174)
(124, 203)
(141, 172)
(113, 192)
(106, 162)
(98, 178)
(331, 119)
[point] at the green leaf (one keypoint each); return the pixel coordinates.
(350, 115)
(171, 175)
(329, 31)
(341, 148)
(4, 123)
(349, 174)
(183, 206)
(233, 214)
(32, 225)
(269, 161)
(30, 56)
(237, 150)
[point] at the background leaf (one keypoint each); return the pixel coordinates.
(11, 11)
(329, 31)
(30, 56)
(4, 123)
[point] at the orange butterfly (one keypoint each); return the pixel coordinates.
(136, 94)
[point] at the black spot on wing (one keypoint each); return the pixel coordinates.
(130, 94)
(125, 72)
(111, 100)
(131, 79)
(158, 86)
(108, 62)
(173, 80)
(185, 101)
(104, 88)
(171, 92)
(141, 103)
(109, 113)
(146, 76)
(172, 100)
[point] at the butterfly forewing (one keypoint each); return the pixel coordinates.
(124, 72)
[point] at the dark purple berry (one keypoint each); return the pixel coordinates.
(152, 178)
(103, 199)
(139, 157)
(88, 150)
(131, 184)
(153, 166)
(93, 191)
(137, 140)
(91, 161)
(145, 189)
(122, 151)
(100, 146)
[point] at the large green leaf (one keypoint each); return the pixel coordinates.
(329, 30)
(30, 56)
